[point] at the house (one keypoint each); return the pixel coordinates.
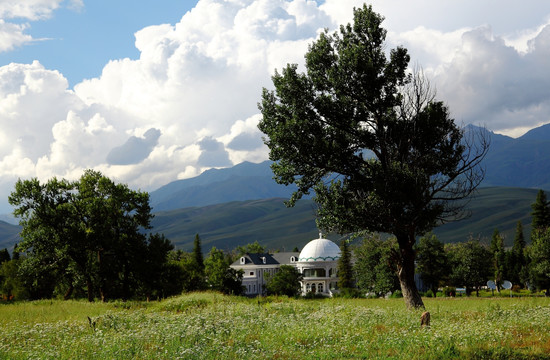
(317, 262)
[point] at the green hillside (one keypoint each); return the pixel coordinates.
(9, 235)
(490, 208)
(270, 223)
(228, 225)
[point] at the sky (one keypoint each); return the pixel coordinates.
(151, 92)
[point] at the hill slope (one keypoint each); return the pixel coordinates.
(245, 181)
(270, 223)
(9, 235)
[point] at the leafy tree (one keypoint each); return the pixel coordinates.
(220, 276)
(381, 154)
(11, 284)
(470, 263)
(540, 260)
(254, 248)
(286, 281)
(541, 213)
(91, 229)
(517, 261)
(373, 267)
(432, 262)
(345, 269)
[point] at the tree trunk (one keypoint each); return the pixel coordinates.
(89, 287)
(68, 293)
(101, 278)
(405, 274)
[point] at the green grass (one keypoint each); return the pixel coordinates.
(213, 326)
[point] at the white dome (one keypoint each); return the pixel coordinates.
(320, 250)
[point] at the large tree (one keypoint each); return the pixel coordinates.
(90, 229)
(380, 152)
(470, 264)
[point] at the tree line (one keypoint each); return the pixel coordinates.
(88, 239)
(468, 264)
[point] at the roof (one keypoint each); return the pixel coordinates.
(320, 250)
(281, 258)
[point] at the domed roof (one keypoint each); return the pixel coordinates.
(320, 250)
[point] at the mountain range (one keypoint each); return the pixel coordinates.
(242, 204)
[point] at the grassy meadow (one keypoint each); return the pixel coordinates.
(213, 326)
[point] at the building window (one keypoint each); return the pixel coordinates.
(292, 259)
(242, 260)
(252, 273)
(314, 273)
(263, 259)
(320, 287)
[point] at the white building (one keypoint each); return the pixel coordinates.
(318, 263)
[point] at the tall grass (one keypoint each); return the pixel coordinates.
(213, 326)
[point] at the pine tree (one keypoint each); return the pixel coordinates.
(198, 271)
(541, 213)
(197, 253)
(517, 263)
(4, 256)
(345, 274)
(499, 257)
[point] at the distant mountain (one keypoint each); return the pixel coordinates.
(9, 235)
(522, 162)
(245, 181)
(228, 225)
(269, 222)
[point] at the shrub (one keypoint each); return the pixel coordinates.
(349, 293)
(396, 294)
(449, 291)
(430, 294)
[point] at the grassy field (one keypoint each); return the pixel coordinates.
(213, 326)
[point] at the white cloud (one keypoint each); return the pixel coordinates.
(489, 82)
(197, 84)
(12, 36)
(29, 9)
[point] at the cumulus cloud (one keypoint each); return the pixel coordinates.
(213, 153)
(189, 102)
(489, 82)
(30, 9)
(12, 36)
(135, 150)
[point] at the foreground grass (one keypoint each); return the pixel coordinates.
(212, 326)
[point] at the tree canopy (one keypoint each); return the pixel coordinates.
(286, 281)
(370, 139)
(88, 232)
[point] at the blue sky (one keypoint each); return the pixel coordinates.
(79, 41)
(150, 92)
